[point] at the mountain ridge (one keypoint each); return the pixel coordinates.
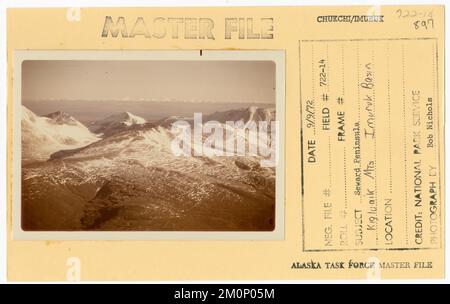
(44, 135)
(116, 123)
(131, 180)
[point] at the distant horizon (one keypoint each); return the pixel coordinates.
(153, 111)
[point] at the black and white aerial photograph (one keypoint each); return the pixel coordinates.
(148, 145)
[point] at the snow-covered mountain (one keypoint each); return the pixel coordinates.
(246, 115)
(131, 180)
(62, 118)
(240, 118)
(116, 123)
(44, 135)
(169, 120)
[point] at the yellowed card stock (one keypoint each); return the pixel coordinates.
(346, 181)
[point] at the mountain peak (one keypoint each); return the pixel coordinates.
(116, 122)
(124, 114)
(252, 109)
(44, 135)
(252, 113)
(61, 118)
(126, 118)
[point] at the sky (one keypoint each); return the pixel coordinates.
(211, 81)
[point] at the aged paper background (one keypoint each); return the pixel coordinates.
(51, 29)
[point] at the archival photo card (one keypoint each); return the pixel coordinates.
(163, 145)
